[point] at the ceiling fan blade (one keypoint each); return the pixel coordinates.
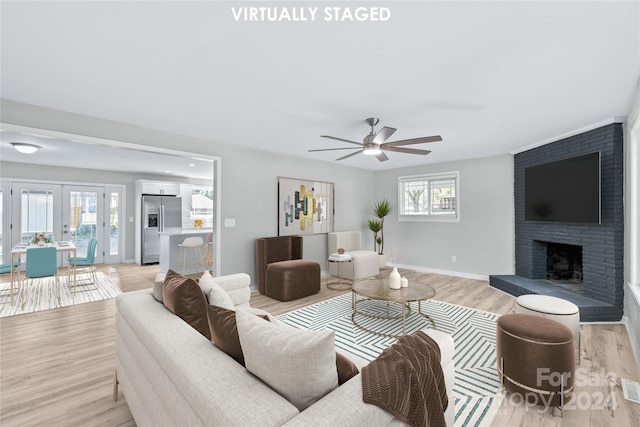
(383, 135)
(382, 157)
(421, 140)
(340, 139)
(349, 155)
(333, 149)
(407, 150)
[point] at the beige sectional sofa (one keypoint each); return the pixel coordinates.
(171, 375)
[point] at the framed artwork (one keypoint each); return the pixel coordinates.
(304, 207)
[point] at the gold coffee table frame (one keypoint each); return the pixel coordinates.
(376, 288)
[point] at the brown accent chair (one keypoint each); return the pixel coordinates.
(281, 272)
(536, 358)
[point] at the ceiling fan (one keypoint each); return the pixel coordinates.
(374, 144)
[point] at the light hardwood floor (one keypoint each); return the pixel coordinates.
(56, 366)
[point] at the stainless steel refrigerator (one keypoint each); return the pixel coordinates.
(158, 214)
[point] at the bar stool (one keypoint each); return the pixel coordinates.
(194, 243)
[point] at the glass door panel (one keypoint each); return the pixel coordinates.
(82, 218)
(114, 230)
(37, 210)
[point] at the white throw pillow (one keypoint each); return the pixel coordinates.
(298, 364)
(214, 292)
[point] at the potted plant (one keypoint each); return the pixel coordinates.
(375, 225)
(381, 209)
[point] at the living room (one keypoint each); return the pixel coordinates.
(482, 242)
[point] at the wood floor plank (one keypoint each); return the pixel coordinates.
(56, 366)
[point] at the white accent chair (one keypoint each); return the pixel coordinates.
(364, 263)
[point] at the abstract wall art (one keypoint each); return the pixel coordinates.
(304, 207)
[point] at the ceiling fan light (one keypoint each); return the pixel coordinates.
(372, 151)
(25, 148)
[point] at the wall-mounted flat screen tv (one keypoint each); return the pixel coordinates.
(564, 191)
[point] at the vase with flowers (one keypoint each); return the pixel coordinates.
(40, 239)
(197, 223)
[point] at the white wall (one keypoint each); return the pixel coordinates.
(483, 239)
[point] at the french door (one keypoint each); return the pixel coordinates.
(69, 212)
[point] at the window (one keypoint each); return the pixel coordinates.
(432, 197)
(202, 205)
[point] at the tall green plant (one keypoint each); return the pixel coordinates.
(381, 209)
(375, 225)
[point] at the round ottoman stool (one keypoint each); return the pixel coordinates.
(536, 358)
(558, 309)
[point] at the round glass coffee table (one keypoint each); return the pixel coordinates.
(376, 288)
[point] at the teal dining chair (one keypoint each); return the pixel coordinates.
(86, 263)
(41, 262)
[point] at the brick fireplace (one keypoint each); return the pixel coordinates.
(583, 263)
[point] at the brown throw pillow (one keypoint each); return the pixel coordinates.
(184, 298)
(224, 333)
(346, 369)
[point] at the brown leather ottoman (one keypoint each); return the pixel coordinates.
(536, 358)
(293, 279)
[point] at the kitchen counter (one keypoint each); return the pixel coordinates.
(185, 231)
(170, 240)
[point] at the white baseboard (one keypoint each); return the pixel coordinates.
(445, 272)
(635, 346)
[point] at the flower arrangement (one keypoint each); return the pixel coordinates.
(197, 223)
(40, 239)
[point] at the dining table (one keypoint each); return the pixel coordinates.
(62, 246)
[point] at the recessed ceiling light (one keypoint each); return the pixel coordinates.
(25, 148)
(193, 165)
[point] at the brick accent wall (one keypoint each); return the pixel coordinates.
(602, 244)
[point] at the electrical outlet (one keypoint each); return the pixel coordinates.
(453, 258)
(229, 222)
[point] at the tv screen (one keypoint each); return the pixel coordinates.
(564, 191)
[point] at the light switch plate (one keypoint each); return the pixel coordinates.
(229, 222)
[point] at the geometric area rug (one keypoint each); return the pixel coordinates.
(476, 387)
(42, 294)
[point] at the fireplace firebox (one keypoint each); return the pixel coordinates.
(564, 262)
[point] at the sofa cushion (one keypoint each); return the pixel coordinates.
(184, 298)
(298, 364)
(346, 368)
(214, 292)
(158, 285)
(224, 333)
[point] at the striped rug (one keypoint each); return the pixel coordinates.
(476, 385)
(42, 294)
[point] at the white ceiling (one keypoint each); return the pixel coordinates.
(490, 77)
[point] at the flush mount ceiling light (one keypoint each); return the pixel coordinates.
(25, 148)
